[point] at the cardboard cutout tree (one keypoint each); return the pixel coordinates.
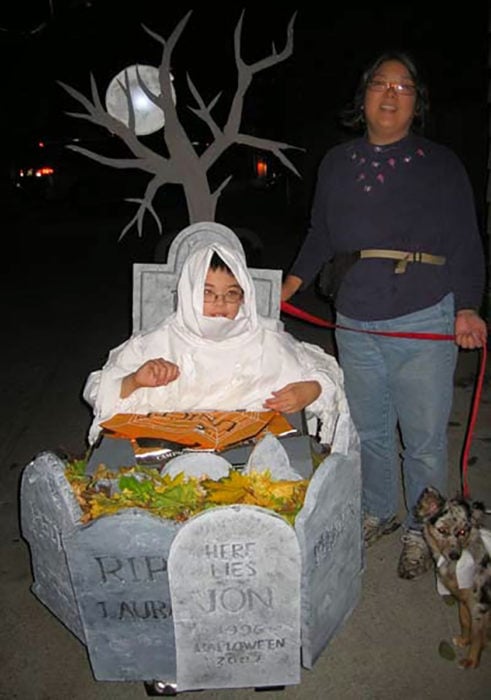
(182, 164)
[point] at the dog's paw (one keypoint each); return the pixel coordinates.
(468, 663)
(461, 641)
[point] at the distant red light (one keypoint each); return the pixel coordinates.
(42, 172)
(41, 144)
(261, 168)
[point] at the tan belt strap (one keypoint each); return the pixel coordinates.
(403, 256)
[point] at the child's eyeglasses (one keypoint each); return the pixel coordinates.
(399, 88)
(233, 296)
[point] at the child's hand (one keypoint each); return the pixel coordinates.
(152, 373)
(293, 397)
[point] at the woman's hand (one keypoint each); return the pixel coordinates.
(470, 329)
(293, 397)
(152, 373)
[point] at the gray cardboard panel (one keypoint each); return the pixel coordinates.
(118, 566)
(234, 574)
(240, 580)
(329, 530)
(49, 509)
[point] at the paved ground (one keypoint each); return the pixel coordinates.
(63, 306)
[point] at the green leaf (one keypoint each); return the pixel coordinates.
(176, 497)
(180, 497)
(446, 651)
(137, 487)
(75, 470)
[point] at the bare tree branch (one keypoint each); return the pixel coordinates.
(275, 57)
(221, 187)
(97, 115)
(146, 90)
(183, 165)
(165, 101)
(95, 95)
(203, 111)
(231, 133)
(129, 102)
(246, 72)
(119, 163)
(274, 147)
(145, 206)
(139, 216)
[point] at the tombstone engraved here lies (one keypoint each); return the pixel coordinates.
(234, 574)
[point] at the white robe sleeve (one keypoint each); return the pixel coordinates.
(331, 407)
(103, 387)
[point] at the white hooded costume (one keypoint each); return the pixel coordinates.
(224, 364)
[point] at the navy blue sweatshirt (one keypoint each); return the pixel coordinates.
(412, 195)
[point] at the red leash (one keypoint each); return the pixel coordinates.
(291, 310)
(472, 421)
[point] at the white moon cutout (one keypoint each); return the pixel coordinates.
(148, 117)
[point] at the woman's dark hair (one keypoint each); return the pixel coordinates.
(216, 263)
(353, 115)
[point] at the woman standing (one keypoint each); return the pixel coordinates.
(402, 205)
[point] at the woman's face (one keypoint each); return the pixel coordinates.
(222, 295)
(390, 101)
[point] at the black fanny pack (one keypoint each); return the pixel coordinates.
(333, 272)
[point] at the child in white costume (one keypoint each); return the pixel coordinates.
(216, 353)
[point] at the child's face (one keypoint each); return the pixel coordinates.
(223, 295)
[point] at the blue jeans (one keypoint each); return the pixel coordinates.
(400, 383)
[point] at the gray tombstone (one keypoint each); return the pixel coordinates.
(270, 454)
(234, 575)
(155, 285)
(329, 532)
(48, 510)
(198, 464)
(118, 566)
(113, 453)
(295, 450)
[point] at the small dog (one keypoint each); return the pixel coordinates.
(452, 530)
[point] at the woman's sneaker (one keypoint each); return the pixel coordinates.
(374, 528)
(415, 557)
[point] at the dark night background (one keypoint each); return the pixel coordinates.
(43, 41)
(66, 286)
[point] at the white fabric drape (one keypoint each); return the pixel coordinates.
(235, 365)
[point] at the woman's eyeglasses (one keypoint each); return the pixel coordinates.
(399, 88)
(233, 296)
